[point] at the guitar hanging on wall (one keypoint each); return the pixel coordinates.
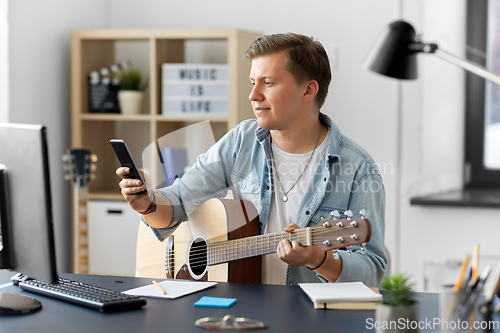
(221, 242)
(80, 166)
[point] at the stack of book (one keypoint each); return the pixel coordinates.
(195, 89)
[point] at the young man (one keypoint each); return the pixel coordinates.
(292, 163)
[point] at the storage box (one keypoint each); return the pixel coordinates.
(174, 163)
(112, 232)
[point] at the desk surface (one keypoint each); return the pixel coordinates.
(282, 308)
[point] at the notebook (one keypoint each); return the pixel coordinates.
(342, 295)
(173, 288)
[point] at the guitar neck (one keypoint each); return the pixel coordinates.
(329, 236)
(80, 232)
(221, 252)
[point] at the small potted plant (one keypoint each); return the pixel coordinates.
(131, 94)
(398, 309)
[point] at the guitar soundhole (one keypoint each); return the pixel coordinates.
(198, 256)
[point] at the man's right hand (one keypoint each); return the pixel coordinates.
(132, 188)
(131, 191)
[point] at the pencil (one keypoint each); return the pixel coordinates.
(463, 268)
(475, 263)
(159, 287)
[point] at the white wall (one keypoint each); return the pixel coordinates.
(4, 61)
(39, 82)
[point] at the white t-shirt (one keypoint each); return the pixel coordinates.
(281, 214)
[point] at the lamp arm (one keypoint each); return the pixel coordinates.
(467, 65)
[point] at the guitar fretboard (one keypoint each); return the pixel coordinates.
(81, 258)
(222, 252)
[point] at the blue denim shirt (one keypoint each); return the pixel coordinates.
(345, 178)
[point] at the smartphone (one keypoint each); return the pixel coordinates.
(126, 160)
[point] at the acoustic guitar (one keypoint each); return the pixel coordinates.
(221, 242)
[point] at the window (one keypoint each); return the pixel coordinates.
(482, 151)
(482, 122)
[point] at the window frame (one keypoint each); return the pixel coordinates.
(476, 175)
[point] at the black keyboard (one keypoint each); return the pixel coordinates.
(79, 293)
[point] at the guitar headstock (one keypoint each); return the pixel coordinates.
(79, 166)
(338, 233)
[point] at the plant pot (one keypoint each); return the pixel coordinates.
(130, 101)
(392, 319)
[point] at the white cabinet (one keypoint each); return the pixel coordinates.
(112, 233)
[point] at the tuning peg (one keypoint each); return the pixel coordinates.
(65, 158)
(349, 250)
(340, 239)
(354, 224)
(354, 237)
(326, 224)
(362, 213)
(66, 177)
(340, 224)
(348, 214)
(335, 214)
(363, 248)
(327, 243)
(93, 158)
(336, 255)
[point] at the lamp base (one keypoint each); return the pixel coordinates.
(14, 304)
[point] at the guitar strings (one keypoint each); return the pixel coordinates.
(203, 262)
(260, 241)
(263, 241)
(199, 257)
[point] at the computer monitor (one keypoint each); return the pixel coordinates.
(27, 237)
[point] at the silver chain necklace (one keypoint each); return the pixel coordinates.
(285, 193)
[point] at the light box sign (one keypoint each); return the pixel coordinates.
(195, 89)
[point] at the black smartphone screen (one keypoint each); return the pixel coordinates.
(126, 159)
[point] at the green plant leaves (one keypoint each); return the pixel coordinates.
(398, 291)
(130, 79)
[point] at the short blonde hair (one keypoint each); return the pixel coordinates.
(307, 58)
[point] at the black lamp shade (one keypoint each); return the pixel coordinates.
(391, 55)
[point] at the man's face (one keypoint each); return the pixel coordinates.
(276, 97)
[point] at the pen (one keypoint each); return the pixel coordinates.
(159, 287)
(493, 288)
(476, 289)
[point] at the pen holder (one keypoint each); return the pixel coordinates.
(457, 310)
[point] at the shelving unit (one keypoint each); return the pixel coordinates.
(94, 49)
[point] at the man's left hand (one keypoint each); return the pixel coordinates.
(297, 255)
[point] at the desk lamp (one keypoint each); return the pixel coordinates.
(395, 54)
